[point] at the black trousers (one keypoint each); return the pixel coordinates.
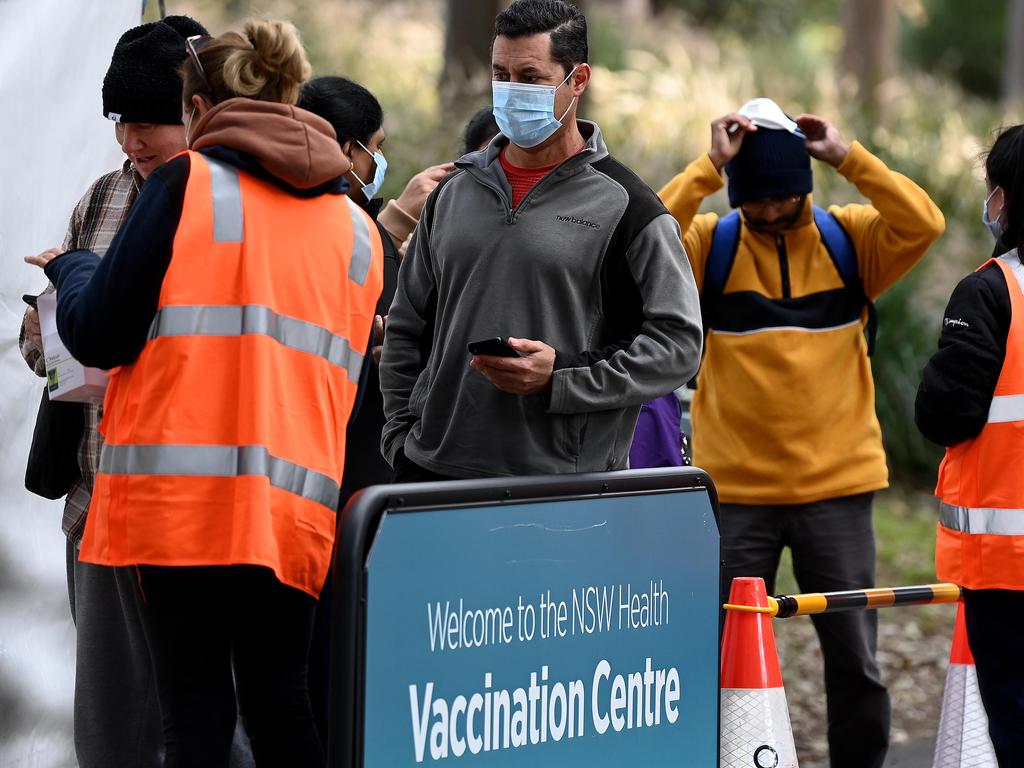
(833, 547)
(212, 628)
(995, 632)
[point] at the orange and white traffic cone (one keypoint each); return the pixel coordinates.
(755, 727)
(963, 740)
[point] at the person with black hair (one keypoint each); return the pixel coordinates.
(545, 238)
(358, 120)
(971, 400)
(479, 131)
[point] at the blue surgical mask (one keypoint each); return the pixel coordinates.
(995, 227)
(371, 189)
(525, 113)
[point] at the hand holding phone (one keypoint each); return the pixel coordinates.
(527, 372)
(494, 347)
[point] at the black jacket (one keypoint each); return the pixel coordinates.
(958, 382)
(364, 463)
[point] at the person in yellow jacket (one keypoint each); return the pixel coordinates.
(783, 415)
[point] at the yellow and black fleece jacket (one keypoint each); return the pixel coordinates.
(784, 411)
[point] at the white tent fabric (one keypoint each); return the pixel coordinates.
(53, 54)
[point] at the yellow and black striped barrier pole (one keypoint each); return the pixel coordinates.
(786, 606)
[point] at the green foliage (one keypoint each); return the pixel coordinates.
(906, 338)
(964, 41)
(761, 18)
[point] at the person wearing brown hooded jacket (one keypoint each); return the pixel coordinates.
(232, 534)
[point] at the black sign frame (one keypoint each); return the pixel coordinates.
(357, 530)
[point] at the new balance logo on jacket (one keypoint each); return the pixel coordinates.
(581, 222)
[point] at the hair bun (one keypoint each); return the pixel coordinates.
(271, 66)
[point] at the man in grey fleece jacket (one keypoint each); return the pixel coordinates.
(585, 271)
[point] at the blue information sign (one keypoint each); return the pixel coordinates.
(567, 632)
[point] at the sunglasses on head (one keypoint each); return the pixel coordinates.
(194, 45)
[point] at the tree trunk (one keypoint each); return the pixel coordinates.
(466, 76)
(1013, 73)
(869, 48)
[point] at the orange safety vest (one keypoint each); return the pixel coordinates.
(980, 543)
(225, 439)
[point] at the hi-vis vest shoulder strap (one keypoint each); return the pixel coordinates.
(822, 311)
(980, 541)
(225, 439)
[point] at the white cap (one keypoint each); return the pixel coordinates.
(765, 113)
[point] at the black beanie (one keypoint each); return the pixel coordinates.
(770, 163)
(142, 84)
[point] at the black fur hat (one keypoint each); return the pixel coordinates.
(142, 84)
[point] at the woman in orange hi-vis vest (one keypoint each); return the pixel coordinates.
(234, 310)
(971, 400)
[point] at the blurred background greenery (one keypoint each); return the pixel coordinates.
(922, 83)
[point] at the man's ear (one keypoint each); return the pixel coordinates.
(580, 79)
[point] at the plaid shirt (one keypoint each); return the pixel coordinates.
(93, 225)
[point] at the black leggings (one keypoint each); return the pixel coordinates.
(995, 632)
(203, 622)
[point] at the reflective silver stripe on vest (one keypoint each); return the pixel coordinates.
(1002, 522)
(219, 461)
(1012, 260)
(219, 320)
(359, 267)
(1006, 408)
(227, 202)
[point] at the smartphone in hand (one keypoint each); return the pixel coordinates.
(494, 346)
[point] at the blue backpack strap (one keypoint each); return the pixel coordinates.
(840, 247)
(725, 239)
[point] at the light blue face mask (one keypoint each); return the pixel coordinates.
(995, 227)
(525, 113)
(372, 189)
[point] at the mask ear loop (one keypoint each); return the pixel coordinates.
(573, 98)
(353, 172)
(371, 154)
(188, 127)
(567, 109)
(989, 198)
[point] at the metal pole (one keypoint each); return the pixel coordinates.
(787, 606)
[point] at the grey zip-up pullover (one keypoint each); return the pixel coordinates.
(591, 263)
